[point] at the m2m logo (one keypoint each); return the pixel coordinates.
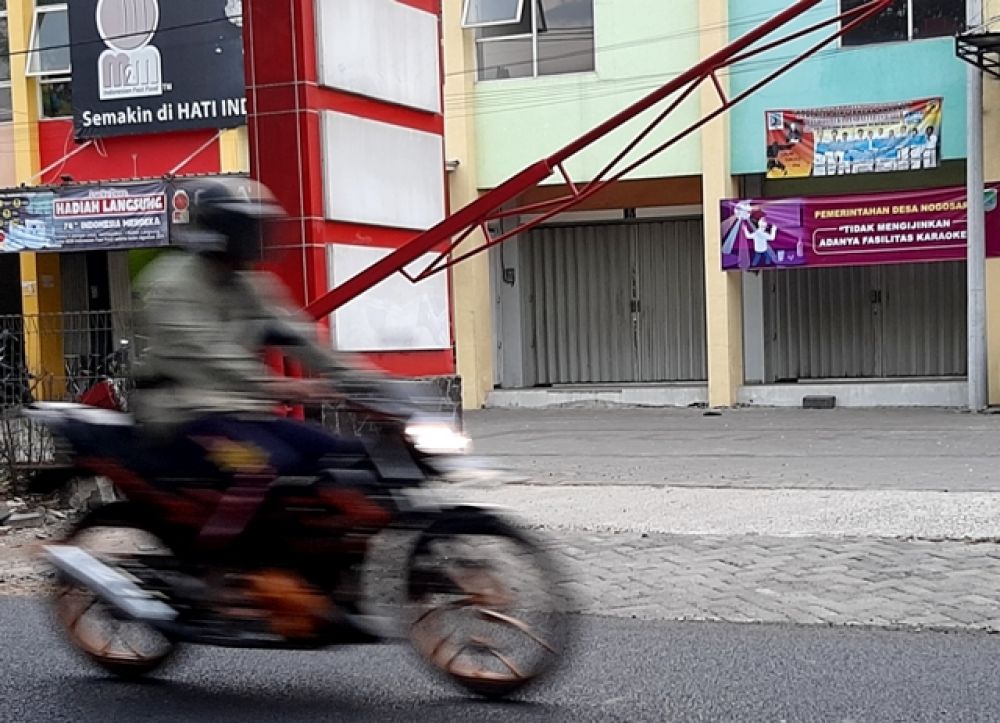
(130, 67)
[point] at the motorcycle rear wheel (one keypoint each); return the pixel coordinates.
(490, 626)
(125, 648)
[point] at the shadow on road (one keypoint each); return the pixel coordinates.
(94, 698)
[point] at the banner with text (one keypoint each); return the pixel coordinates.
(854, 139)
(879, 228)
(151, 66)
(84, 219)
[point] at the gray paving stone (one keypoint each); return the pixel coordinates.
(802, 580)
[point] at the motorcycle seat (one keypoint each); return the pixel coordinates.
(104, 433)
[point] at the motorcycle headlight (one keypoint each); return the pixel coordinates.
(437, 439)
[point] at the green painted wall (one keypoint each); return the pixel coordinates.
(640, 44)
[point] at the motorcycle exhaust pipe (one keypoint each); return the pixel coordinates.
(111, 586)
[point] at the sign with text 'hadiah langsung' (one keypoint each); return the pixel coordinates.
(86, 218)
(149, 66)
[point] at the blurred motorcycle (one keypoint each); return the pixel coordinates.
(474, 594)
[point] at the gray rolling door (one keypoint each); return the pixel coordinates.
(865, 322)
(576, 305)
(671, 291)
(924, 313)
(614, 303)
(818, 324)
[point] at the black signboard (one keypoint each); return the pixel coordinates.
(149, 66)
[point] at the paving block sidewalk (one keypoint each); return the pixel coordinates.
(877, 582)
(749, 578)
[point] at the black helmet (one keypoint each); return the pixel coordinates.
(228, 217)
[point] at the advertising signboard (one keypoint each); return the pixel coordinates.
(854, 139)
(85, 218)
(878, 228)
(149, 66)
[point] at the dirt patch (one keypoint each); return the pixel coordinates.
(22, 569)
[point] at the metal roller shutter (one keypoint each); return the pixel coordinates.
(866, 322)
(615, 303)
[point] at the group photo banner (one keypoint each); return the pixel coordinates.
(85, 218)
(846, 140)
(878, 228)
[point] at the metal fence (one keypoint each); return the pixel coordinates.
(58, 357)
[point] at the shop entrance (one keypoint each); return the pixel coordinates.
(861, 322)
(613, 303)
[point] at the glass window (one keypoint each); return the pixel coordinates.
(491, 12)
(907, 20)
(552, 37)
(57, 97)
(49, 41)
(565, 36)
(937, 18)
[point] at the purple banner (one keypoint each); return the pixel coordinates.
(878, 228)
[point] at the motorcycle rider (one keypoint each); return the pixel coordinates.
(201, 379)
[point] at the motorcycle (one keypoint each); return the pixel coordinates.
(362, 553)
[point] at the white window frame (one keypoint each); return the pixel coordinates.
(533, 35)
(33, 48)
(51, 80)
(518, 14)
(909, 29)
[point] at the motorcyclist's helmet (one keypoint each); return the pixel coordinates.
(228, 218)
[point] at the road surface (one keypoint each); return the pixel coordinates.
(624, 670)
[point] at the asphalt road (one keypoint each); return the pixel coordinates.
(850, 449)
(624, 670)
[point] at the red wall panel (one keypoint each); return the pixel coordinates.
(285, 103)
(413, 363)
(146, 156)
(431, 6)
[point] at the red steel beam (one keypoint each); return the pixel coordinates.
(456, 228)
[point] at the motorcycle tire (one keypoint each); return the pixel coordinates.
(82, 615)
(444, 593)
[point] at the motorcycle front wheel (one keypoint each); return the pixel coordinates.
(485, 604)
(125, 648)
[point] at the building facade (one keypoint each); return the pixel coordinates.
(697, 279)
(106, 104)
(811, 241)
(85, 165)
(346, 126)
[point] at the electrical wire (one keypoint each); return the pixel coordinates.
(123, 36)
(488, 101)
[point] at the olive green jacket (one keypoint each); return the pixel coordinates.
(204, 338)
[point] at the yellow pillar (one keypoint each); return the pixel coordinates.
(471, 296)
(723, 291)
(234, 151)
(40, 280)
